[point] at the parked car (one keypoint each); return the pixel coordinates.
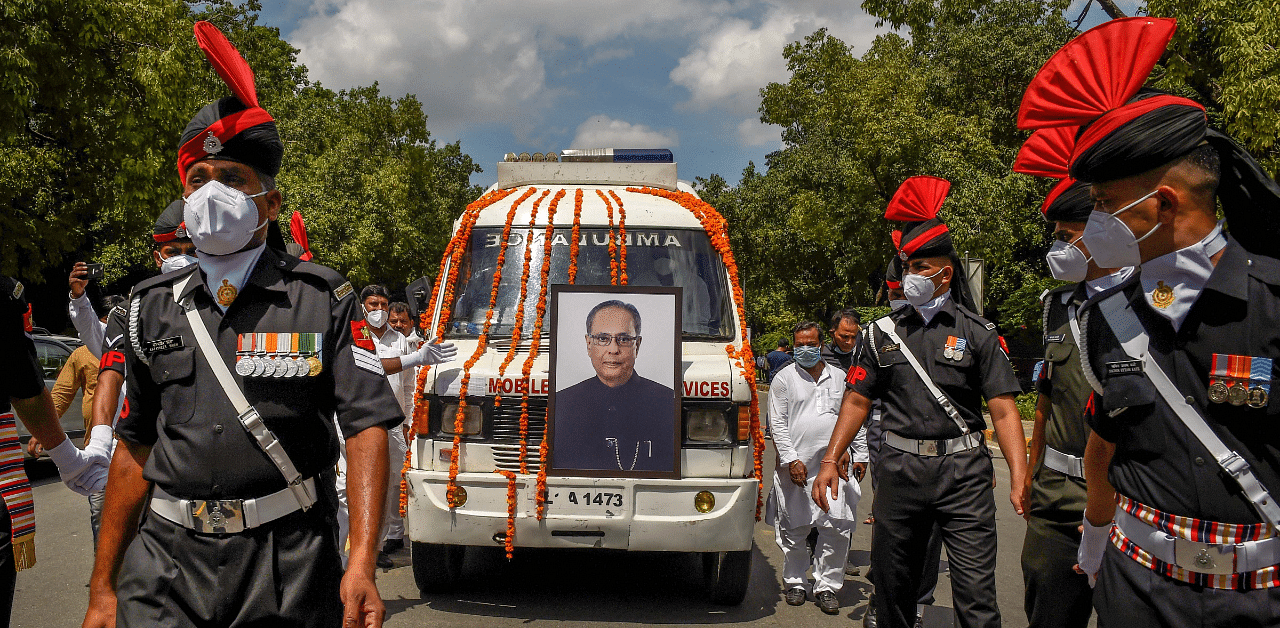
(52, 352)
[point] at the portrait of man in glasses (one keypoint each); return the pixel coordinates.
(616, 420)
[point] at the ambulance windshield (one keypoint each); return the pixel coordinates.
(655, 257)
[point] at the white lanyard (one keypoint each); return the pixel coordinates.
(887, 326)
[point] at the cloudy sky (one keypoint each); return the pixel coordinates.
(543, 75)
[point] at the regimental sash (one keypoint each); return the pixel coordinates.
(16, 490)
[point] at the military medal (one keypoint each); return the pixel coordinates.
(1238, 394)
(961, 345)
(949, 352)
(1217, 392)
(259, 353)
(269, 362)
(309, 347)
(290, 366)
(244, 362)
(1162, 296)
(226, 293)
(1260, 383)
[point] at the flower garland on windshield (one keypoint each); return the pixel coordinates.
(573, 243)
(421, 410)
(535, 343)
(613, 243)
(524, 293)
(482, 343)
(622, 235)
(716, 228)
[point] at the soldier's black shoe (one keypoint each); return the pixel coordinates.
(392, 546)
(384, 561)
(795, 596)
(827, 602)
(869, 620)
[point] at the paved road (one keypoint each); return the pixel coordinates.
(569, 588)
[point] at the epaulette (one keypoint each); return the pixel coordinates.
(161, 280)
(977, 319)
(338, 285)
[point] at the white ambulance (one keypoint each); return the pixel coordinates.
(709, 510)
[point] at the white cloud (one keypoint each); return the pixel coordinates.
(753, 132)
(605, 132)
(730, 63)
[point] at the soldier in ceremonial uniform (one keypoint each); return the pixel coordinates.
(934, 466)
(1055, 595)
(1181, 356)
(234, 370)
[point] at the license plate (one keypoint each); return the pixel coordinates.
(595, 501)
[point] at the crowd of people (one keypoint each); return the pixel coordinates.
(1146, 487)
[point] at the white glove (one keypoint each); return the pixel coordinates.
(102, 440)
(429, 354)
(83, 471)
(1093, 542)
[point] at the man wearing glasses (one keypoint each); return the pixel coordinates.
(616, 420)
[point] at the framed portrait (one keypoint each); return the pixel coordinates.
(614, 404)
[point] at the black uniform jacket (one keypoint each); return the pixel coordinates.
(639, 416)
(20, 374)
(882, 372)
(1157, 460)
(175, 405)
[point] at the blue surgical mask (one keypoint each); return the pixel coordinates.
(806, 356)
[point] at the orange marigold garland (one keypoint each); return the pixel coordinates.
(456, 244)
(511, 510)
(524, 293)
(716, 228)
(481, 344)
(622, 235)
(534, 344)
(613, 244)
(573, 244)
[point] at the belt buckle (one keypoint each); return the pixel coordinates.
(217, 516)
(931, 447)
(1208, 558)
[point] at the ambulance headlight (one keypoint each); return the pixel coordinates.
(472, 420)
(706, 425)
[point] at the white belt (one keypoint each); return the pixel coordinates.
(1065, 464)
(933, 447)
(226, 516)
(1207, 558)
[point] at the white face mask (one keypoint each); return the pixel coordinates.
(376, 318)
(897, 303)
(919, 288)
(221, 220)
(174, 262)
(1067, 262)
(1112, 242)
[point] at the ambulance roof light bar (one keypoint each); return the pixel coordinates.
(618, 155)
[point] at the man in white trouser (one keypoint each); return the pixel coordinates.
(804, 400)
(399, 361)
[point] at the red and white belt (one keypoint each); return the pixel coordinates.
(1205, 553)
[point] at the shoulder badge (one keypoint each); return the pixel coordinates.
(362, 337)
(17, 290)
(991, 326)
(342, 291)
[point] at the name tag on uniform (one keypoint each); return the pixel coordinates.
(1055, 338)
(163, 344)
(1123, 367)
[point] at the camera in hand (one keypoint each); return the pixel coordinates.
(95, 271)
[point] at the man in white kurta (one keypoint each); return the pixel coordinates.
(803, 406)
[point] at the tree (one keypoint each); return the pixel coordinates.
(809, 231)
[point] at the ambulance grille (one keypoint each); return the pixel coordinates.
(506, 432)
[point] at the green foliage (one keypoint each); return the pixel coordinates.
(809, 233)
(871, 313)
(1026, 403)
(1224, 54)
(95, 93)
